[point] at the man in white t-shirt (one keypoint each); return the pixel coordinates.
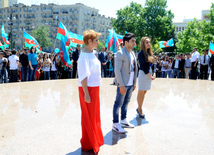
(194, 59)
(13, 62)
(125, 79)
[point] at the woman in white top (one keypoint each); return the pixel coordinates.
(89, 77)
(169, 68)
(164, 65)
(53, 67)
(46, 66)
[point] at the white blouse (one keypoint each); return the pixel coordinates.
(89, 66)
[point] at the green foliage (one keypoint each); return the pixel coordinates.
(197, 34)
(42, 36)
(153, 21)
(101, 44)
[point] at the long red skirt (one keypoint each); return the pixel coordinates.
(92, 136)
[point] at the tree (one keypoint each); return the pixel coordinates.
(101, 44)
(197, 34)
(42, 36)
(153, 21)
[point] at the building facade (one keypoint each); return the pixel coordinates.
(180, 26)
(77, 18)
(7, 3)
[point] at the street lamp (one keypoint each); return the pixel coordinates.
(11, 18)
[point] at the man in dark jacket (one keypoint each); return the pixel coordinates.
(103, 58)
(176, 67)
(212, 67)
(23, 60)
(75, 57)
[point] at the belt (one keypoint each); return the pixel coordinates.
(188, 67)
(204, 65)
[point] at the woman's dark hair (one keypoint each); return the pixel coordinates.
(31, 51)
(44, 56)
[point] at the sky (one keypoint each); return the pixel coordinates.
(182, 9)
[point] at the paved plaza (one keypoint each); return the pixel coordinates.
(44, 118)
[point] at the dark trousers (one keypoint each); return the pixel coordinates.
(212, 72)
(74, 70)
(203, 72)
(104, 69)
(53, 75)
(193, 71)
(182, 74)
(13, 75)
(24, 72)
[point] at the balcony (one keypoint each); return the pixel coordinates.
(30, 17)
(47, 16)
(46, 10)
(64, 12)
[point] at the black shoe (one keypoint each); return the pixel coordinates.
(141, 116)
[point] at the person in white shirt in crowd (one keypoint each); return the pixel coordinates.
(194, 59)
(13, 62)
(187, 66)
(169, 68)
(53, 67)
(46, 66)
(164, 65)
(204, 64)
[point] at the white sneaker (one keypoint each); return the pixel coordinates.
(116, 127)
(125, 124)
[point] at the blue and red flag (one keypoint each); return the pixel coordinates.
(211, 49)
(64, 54)
(164, 44)
(120, 38)
(4, 37)
(112, 41)
(71, 39)
(30, 41)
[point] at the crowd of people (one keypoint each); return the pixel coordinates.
(29, 66)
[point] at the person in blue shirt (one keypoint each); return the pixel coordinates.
(32, 58)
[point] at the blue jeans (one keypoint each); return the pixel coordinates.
(163, 74)
(121, 101)
(46, 75)
(110, 73)
(24, 73)
(4, 74)
(169, 74)
(32, 73)
(175, 71)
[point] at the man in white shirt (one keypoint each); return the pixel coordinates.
(125, 79)
(204, 62)
(194, 59)
(13, 62)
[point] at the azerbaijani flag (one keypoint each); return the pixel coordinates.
(211, 49)
(62, 31)
(120, 38)
(64, 54)
(71, 39)
(30, 41)
(1, 46)
(164, 44)
(4, 37)
(112, 41)
(75, 39)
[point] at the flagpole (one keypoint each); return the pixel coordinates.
(157, 50)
